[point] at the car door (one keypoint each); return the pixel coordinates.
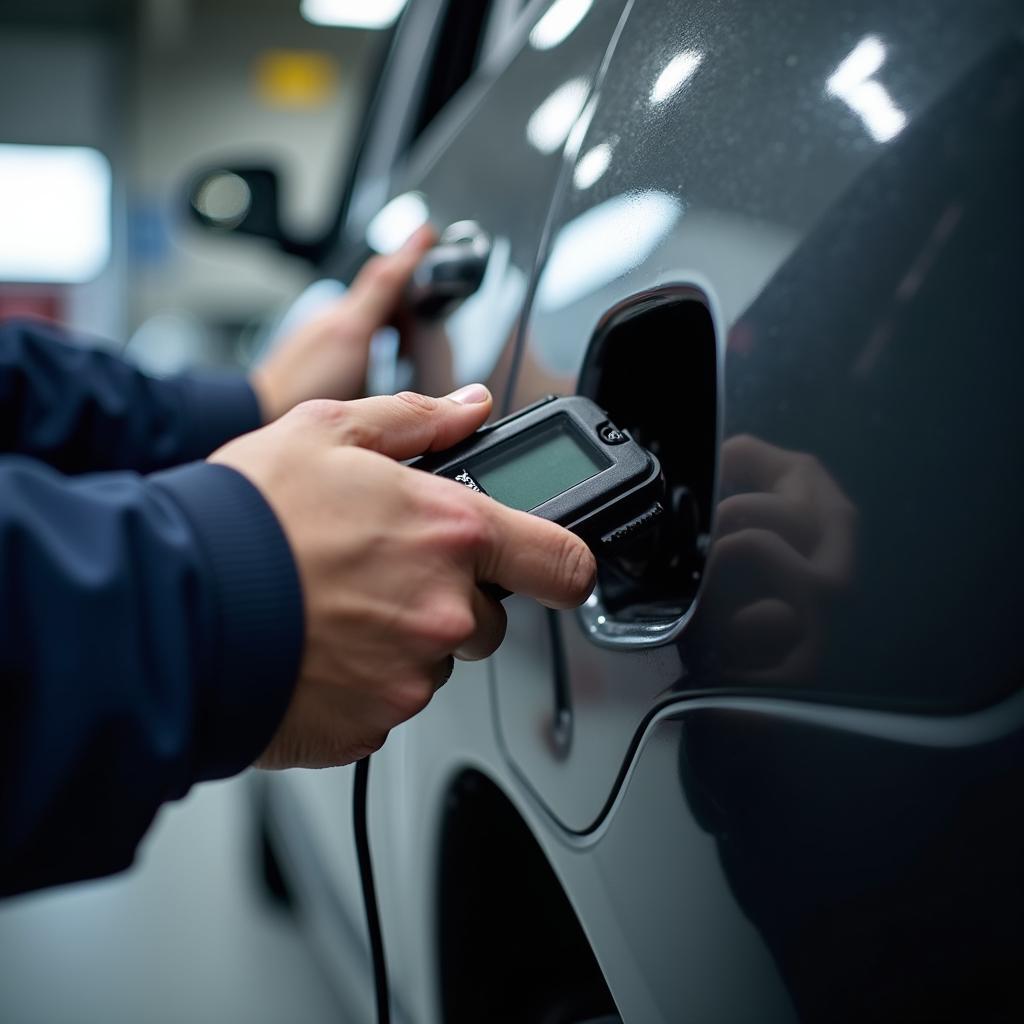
(489, 166)
(784, 257)
(485, 155)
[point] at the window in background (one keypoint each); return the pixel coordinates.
(55, 214)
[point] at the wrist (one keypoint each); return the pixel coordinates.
(268, 396)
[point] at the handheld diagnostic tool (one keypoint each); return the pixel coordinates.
(564, 460)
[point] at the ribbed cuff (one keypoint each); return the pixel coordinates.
(217, 408)
(259, 626)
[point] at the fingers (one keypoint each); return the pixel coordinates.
(836, 553)
(766, 603)
(810, 484)
(756, 564)
(761, 635)
(750, 464)
(790, 494)
(378, 288)
(531, 556)
(490, 628)
(792, 520)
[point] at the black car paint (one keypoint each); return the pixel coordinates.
(746, 841)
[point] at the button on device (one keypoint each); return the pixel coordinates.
(610, 434)
(638, 524)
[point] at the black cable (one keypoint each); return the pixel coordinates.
(362, 834)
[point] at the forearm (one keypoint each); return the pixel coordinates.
(83, 410)
(147, 643)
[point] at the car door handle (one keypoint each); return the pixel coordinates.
(451, 271)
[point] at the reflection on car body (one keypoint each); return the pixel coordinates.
(770, 772)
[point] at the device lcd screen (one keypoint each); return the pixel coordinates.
(532, 469)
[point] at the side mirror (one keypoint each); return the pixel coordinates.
(244, 201)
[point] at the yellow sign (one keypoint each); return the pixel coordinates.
(296, 79)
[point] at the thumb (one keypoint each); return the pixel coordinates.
(408, 424)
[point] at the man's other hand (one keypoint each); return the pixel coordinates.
(327, 357)
(390, 559)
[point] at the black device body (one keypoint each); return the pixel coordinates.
(561, 459)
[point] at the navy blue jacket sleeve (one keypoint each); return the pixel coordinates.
(150, 638)
(80, 409)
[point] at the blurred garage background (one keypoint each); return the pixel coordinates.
(107, 109)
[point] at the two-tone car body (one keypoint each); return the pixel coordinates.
(774, 769)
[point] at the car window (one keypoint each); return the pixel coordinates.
(504, 18)
(455, 56)
(438, 45)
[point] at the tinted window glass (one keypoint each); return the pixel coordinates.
(455, 56)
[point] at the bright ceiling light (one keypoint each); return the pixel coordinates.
(55, 218)
(353, 13)
(602, 244)
(558, 23)
(551, 122)
(865, 59)
(676, 74)
(852, 82)
(593, 164)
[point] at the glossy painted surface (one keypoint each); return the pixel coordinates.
(765, 860)
(490, 157)
(795, 809)
(770, 864)
(493, 157)
(840, 184)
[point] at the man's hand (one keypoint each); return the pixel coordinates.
(785, 542)
(327, 357)
(390, 559)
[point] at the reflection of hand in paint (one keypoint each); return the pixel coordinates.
(784, 546)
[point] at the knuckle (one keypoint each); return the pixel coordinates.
(449, 626)
(808, 465)
(742, 444)
(462, 526)
(418, 403)
(353, 428)
(357, 433)
(320, 411)
(364, 747)
(411, 698)
(730, 549)
(729, 514)
(470, 528)
(374, 742)
(751, 540)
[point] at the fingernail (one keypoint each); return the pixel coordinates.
(471, 394)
